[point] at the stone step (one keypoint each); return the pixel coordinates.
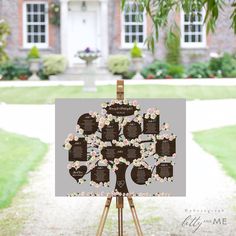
(80, 73)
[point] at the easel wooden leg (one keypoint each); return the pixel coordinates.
(120, 206)
(104, 216)
(135, 216)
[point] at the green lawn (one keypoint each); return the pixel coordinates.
(18, 155)
(45, 95)
(221, 144)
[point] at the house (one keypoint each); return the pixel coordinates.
(102, 25)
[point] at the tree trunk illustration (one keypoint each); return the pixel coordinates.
(120, 178)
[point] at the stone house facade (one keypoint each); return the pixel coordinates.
(100, 24)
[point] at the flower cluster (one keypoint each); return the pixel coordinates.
(149, 181)
(165, 127)
(70, 138)
(54, 12)
(152, 113)
(101, 184)
(163, 159)
(139, 162)
(75, 165)
(162, 180)
(120, 102)
(81, 181)
(170, 137)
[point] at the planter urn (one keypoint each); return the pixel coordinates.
(137, 64)
(34, 66)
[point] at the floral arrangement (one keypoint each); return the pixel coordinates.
(54, 13)
(88, 51)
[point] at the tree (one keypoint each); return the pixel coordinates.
(159, 11)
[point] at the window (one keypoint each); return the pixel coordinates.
(133, 25)
(35, 25)
(193, 30)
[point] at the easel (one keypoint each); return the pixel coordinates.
(119, 199)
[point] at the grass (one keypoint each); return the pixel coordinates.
(47, 95)
(18, 156)
(221, 144)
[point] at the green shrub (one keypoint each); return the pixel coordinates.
(128, 75)
(118, 64)
(14, 69)
(175, 71)
(199, 70)
(232, 74)
(22, 67)
(225, 65)
(173, 48)
(54, 64)
(33, 53)
(4, 33)
(8, 71)
(157, 68)
(136, 52)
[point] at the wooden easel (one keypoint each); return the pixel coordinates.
(119, 199)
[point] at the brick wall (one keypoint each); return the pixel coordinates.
(12, 12)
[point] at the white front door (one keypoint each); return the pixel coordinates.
(82, 33)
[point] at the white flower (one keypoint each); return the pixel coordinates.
(126, 142)
(81, 131)
(93, 153)
(103, 112)
(104, 105)
(146, 116)
(135, 103)
(110, 117)
(69, 166)
(167, 126)
(142, 146)
(68, 146)
(70, 137)
(76, 138)
(153, 116)
(136, 144)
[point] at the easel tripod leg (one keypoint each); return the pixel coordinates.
(135, 217)
(104, 217)
(120, 206)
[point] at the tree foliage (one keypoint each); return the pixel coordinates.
(159, 11)
(4, 33)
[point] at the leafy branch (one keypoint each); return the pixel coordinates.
(159, 11)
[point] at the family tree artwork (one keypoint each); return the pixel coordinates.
(118, 137)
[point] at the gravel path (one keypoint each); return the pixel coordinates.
(210, 193)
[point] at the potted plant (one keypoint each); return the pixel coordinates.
(137, 60)
(34, 63)
(88, 55)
